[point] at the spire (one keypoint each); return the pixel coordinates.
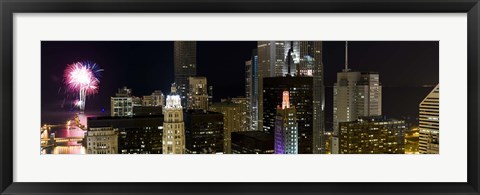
(346, 57)
(286, 100)
(173, 89)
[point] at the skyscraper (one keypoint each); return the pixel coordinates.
(355, 94)
(301, 97)
(173, 125)
(300, 59)
(286, 128)
(251, 90)
(185, 54)
(252, 142)
(197, 93)
(429, 120)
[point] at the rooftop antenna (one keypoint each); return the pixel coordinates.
(346, 57)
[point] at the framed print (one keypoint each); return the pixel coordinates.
(258, 97)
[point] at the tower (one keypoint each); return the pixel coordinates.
(286, 128)
(173, 125)
(185, 57)
(355, 94)
(429, 120)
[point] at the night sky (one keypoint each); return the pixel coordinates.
(408, 70)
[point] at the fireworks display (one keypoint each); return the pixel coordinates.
(82, 78)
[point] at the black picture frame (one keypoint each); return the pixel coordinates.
(9, 7)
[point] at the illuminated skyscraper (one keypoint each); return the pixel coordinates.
(286, 128)
(297, 59)
(173, 125)
(251, 91)
(197, 93)
(429, 120)
(301, 97)
(355, 94)
(185, 57)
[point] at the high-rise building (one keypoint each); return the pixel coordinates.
(300, 59)
(203, 132)
(102, 141)
(243, 102)
(301, 97)
(173, 125)
(355, 94)
(372, 135)
(252, 142)
(233, 120)
(138, 134)
(251, 91)
(429, 120)
(185, 62)
(286, 128)
(122, 103)
(198, 93)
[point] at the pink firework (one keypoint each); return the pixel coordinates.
(82, 77)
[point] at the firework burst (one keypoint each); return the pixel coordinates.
(82, 78)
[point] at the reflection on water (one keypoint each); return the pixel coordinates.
(65, 150)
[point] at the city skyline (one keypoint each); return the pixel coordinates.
(371, 99)
(150, 66)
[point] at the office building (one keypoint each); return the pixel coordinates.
(355, 94)
(185, 65)
(429, 120)
(198, 93)
(252, 142)
(233, 120)
(203, 132)
(295, 59)
(372, 135)
(156, 99)
(173, 125)
(102, 141)
(122, 103)
(286, 128)
(138, 134)
(251, 91)
(300, 91)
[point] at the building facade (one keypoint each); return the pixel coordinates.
(198, 93)
(372, 135)
(185, 65)
(251, 91)
(295, 59)
(429, 121)
(102, 141)
(173, 125)
(300, 91)
(252, 142)
(203, 132)
(286, 128)
(138, 134)
(233, 120)
(122, 103)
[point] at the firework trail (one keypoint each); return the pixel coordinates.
(82, 78)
